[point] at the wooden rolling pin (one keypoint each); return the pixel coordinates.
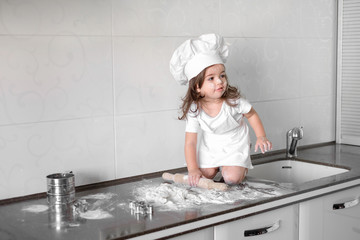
(203, 182)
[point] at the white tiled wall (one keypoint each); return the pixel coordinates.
(85, 85)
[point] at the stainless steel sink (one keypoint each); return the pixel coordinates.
(293, 171)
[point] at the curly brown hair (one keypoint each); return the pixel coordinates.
(193, 96)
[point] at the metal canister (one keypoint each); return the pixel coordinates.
(60, 188)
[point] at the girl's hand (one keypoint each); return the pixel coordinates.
(264, 144)
(194, 177)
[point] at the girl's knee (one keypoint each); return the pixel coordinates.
(233, 180)
(234, 176)
(209, 172)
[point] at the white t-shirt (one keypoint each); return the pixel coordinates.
(225, 139)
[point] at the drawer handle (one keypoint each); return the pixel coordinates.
(259, 231)
(349, 204)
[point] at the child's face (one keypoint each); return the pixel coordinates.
(215, 82)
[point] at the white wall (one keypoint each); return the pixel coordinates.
(85, 85)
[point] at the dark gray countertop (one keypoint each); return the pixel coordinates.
(30, 219)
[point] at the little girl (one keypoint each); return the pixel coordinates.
(215, 109)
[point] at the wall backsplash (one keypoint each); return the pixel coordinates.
(85, 85)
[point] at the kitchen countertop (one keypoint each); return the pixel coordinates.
(30, 217)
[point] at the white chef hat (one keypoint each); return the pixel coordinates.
(194, 55)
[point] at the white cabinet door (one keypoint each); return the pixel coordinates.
(204, 234)
(342, 215)
(276, 224)
(334, 216)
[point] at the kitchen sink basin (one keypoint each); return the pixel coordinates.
(293, 171)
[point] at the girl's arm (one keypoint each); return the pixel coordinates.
(254, 120)
(190, 157)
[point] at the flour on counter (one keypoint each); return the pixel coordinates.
(92, 206)
(36, 208)
(100, 196)
(96, 214)
(177, 196)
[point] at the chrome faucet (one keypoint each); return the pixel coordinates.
(292, 137)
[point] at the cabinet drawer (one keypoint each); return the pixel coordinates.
(342, 215)
(319, 220)
(276, 224)
(344, 203)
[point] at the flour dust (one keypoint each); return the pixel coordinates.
(96, 206)
(177, 196)
(95, 214)
(36, 208)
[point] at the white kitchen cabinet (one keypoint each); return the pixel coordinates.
(277, 224)
(329, 217)
(204, 234)
(334, 216)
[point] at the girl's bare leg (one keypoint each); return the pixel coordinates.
(233, 174)
(209, 172)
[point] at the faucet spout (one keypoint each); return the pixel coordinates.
(293, 146)
(293, 136)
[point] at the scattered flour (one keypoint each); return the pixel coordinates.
(95, 214)
(91, 206)
(100, 196)
(177, 196)
(36, 208)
